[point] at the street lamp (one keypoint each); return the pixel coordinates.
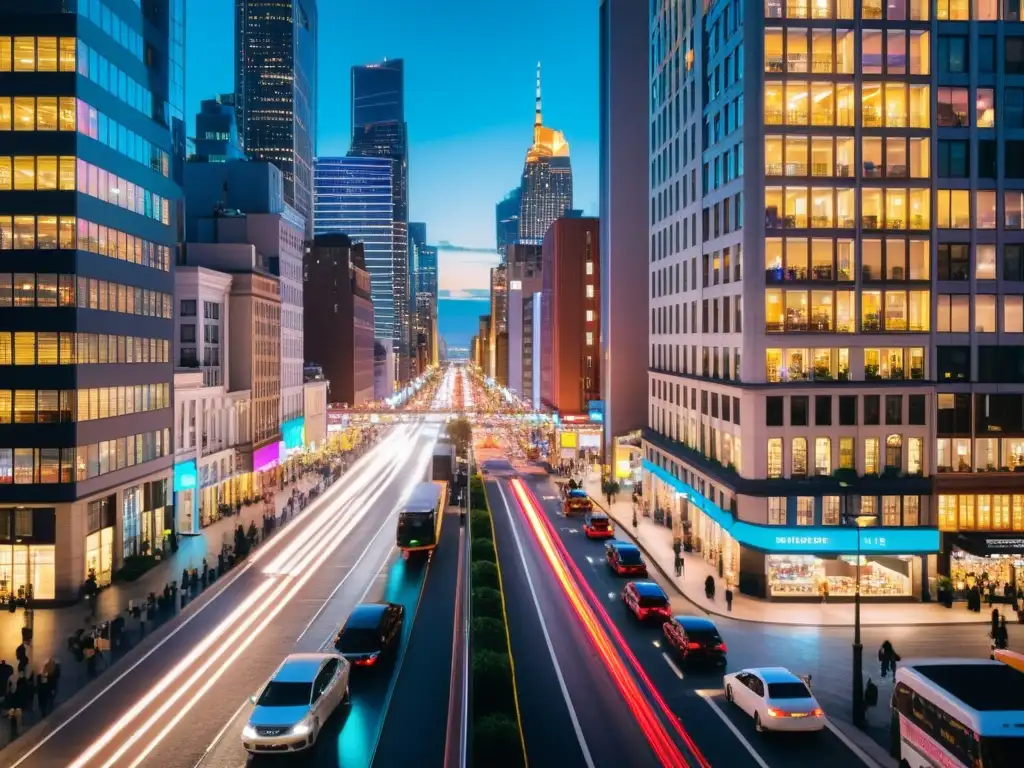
(858, 647)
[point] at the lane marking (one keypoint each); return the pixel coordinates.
(547, 636)
(221, 732)
(860, 753)
(590, 559)
(706, 695)
(672, 665)
(370, 584)
(336, 487)
(612, 596)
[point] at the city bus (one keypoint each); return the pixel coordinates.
(419, 522)
(953, 713)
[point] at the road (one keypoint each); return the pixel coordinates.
(608, 731)
(180, 702)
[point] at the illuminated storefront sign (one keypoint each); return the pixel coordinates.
(185, 475)
(266, 457)
(294, 434)
(807, 539)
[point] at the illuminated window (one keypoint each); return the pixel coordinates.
(1001, 513)
(985, 313)
(947, 513)
(777, 510)
(46, 238)
(67, 174)
(822, 456)
(24, 173)
(805, 510)
(799, 456)
(590, 291)
(965, 512)
(24, 117)
(1013, 314)
(954, 208)
(24, 233)
(954, 313)
(46, 113)
(46, 54)
(985, 108)
(24, 348)
(775, 457)
(46, 170)
(590, 315)
(67, 54)
(590, 267)
(590, 338)
(871, 311)
(847, 458)
(871, 457)
(24, 54)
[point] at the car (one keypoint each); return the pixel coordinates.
(372, 631)
(597, 525)
(695, 639)
(647, 600)
(777, 699)
(625, 559)
(295, 703)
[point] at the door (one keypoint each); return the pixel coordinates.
(755, 695)
(332, 691)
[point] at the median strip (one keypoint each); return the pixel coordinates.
(497, 729)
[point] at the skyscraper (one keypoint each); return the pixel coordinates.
(546, 188)
(355, 196)
(423, 283)
(276, 90)
(216, 137)
(379, 130)
(506, 216)
(85, 338)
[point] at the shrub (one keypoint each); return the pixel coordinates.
(492, 684)
(134, 566)
(496, 742)
(480, 522)
(484, 574)
(489, 634)
(483, 549)
(477, 494)
(487, 602)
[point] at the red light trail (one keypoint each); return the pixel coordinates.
(654, 730)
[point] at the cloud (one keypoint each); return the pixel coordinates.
(464, 294)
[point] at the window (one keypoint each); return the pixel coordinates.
(954, 159)
(871, 456)
(872, 410)
(799, 457)
(954, 312)
(985, 108)
(985, 313)
(1013, 314)
(774, 411)
(954, 261)
(847, 459)
(985, 262)
(848, 410)
(805, 510)
(775, 457)
(893, 409)
(916, 410)
(1014, 50)
(953, 57)
(822, 456)
(798, 411)
(915, 455)
(830, 510)
(823, 410)
(953, 108)
(776, 510)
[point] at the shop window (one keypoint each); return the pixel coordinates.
(775, 457)
(822, 456)
(830, 510)
(777, 510)
(871, 458)
(799, 447)
(805, 510)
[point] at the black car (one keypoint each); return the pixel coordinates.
(372, 631)
(696, 640)
(647, 600)
(625, 559)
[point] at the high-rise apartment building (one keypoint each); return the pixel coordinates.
(836, 290)
(545, 192)
(355, 196)
(338, 305)
(570, 365)
(499, 317)
(506, 220)
(276, 91)
(624, 209)
(89, 218)
(523, 277)
(217, 131)
(379, 130)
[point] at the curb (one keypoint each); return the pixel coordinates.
(728, 615)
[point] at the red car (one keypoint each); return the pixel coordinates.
(695, 639)
(624, 558)
(596, 525)
(646, 600)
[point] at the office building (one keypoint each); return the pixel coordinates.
(89, 218)
(200, 322)
(827, 263)
(383, 370)
(570, 370)
(379, 131)
(546, 187)
(532, 344)
(484, 345)
(499, 316)
(423, 282)
(523, 271)
(216, 137)
(355, 196)
(506, 215)
(624, 219)
(276, 91)
(338, 305)
(249, 187)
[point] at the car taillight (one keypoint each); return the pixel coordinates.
(817, 712)
(641, 612)
(664, 611)
(772, 712)
(367, 661)
(693, 646)
(721, 647)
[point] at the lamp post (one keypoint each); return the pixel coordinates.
(858, 647)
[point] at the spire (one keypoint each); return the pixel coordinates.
(537, 118)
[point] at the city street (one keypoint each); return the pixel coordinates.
(181, 698)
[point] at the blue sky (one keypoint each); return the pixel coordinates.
(470, 70)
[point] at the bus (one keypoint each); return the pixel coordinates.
(419, 522)
(957, 713)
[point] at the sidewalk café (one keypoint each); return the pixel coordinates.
(798, 562)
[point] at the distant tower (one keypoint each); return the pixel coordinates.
(546, 187)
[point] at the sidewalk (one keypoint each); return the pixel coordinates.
(656, 542)
(52, 627)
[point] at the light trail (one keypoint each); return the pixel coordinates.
(657, 736)
(623, 645)
(299, 561)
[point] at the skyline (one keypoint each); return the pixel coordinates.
(467, 133)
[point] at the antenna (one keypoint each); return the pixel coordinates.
(537, 118)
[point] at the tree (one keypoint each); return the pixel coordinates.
(460, 432)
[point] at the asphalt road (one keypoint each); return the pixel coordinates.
(416, 719)
(180, 696)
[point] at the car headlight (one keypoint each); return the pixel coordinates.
(302, 728)
(248, 732)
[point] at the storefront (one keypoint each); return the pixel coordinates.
(293, 441)
(186, 497)
(981, 559)
(99, 542)
(265, 464)
(143, 517)
(28, 539)
(579, 438)
(799, 562)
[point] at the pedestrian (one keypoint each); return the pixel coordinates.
(679, 564)
(709, 588)
(6, 672)
(1001, 636)
(728, 597)
(43, 690)
(824, 592)
(887, 658)
(995, 623)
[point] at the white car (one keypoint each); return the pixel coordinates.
(296, 702)
(777, 699)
